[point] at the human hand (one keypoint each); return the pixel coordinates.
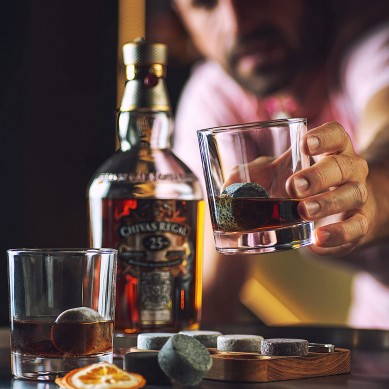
(334, 186)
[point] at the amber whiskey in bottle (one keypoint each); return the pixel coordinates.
(146, 203)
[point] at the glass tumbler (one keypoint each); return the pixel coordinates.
(246, 167)
(62, 307)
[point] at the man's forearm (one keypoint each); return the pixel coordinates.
(377, 156)
(378, 184)
(374, 136)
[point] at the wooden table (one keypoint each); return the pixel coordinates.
(369, 358)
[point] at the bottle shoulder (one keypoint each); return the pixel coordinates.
(156, 174)
(158, 161)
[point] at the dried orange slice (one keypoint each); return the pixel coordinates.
(101, 376)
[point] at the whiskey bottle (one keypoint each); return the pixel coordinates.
(147, 204)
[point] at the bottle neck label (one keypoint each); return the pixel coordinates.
(137, 96)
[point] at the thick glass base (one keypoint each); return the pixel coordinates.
(264, 241)
(48, 369)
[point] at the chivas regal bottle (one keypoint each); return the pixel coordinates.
(146, 203)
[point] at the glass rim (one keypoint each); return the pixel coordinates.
(46, 251)
(259, 124)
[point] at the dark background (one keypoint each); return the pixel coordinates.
(58, 96)
(57, 122)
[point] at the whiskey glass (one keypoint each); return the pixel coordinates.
(246, 167)
(62, 307)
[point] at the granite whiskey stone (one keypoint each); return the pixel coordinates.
(81, 330)
(152, 341)
(207, 338)
(184, 359)
(245, 189)
(284, 347)
(240, 343)
(236, 210)
(80, 315)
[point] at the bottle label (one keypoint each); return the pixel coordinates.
(156, 295)
(155, 244)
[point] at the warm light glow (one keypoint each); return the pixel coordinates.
(182, 300)
(199, 253)
(265, 305)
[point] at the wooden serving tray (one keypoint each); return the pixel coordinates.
(252, 367)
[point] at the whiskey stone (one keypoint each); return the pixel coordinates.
(245, 189)
(223, 214)
(240, 343)
(207, 338)
(233, 215)
(77, 331)
(152, 340)
(146, 364)
(284, 347)
(80, 315)
(184, 359)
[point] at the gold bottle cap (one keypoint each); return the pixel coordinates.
(146, 67)
(140, 52)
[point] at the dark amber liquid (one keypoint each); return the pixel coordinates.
(246, 214)
(53, 340)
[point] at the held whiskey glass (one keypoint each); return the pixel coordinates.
(246, 167)
(62, 306)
